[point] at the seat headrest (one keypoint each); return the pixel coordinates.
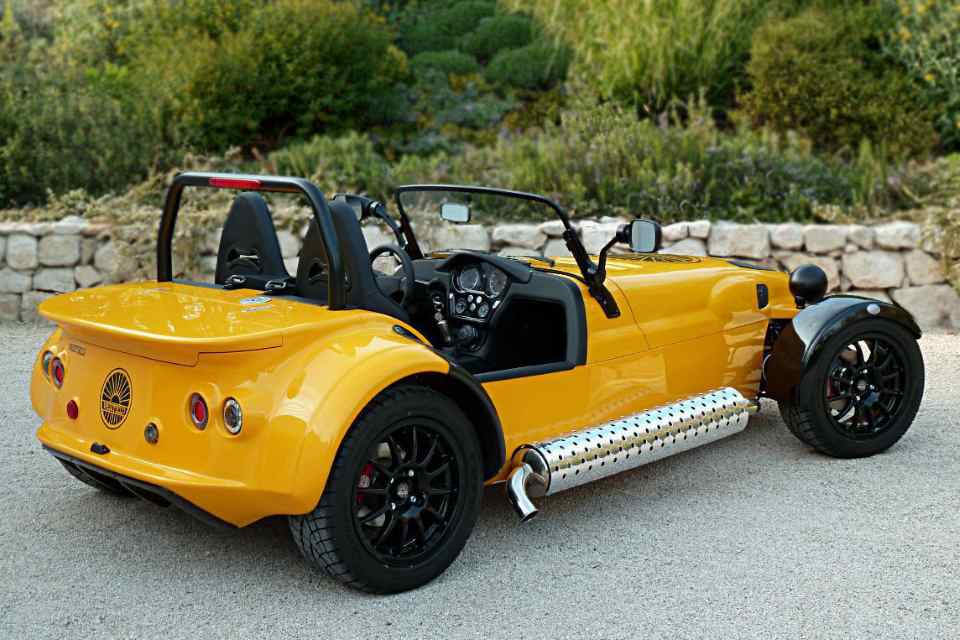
(312, 277)
(361, 287)
(249, 244)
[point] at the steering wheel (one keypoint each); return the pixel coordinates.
(405, 284)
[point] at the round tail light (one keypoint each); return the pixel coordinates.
(73, 411)
(57, 372)
(232, 416)
(198, 411)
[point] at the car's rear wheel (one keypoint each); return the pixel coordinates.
(403, 495)
(861, 394)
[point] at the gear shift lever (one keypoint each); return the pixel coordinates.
(441, 319)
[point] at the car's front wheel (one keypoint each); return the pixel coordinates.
(403, 495)
(862, 392)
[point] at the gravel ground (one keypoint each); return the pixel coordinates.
(754, 536)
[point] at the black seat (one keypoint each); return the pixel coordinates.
(361, 285)
(312, 280)
(249, 247)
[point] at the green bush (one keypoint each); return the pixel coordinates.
(818, 74)
(343, 163)
(462, 17)
(536, 66)
(601, 159)
(658, 51)
(439, 25)
(452, 61)
(497, 33)
(927, 41)
(422, 36)
(450, 111)
(58, 135)
(294, 67)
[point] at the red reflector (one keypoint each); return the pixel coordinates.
(198, 411)
(73, 410)
(235, 183)
(56, 370)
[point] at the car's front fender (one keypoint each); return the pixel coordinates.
(801, 341)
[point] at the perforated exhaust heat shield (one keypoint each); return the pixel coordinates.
(555, 465)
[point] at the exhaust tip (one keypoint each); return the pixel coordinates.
(517, 492)
(528, 517)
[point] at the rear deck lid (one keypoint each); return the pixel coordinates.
(175, 322)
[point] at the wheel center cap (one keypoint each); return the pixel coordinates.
(403, 490)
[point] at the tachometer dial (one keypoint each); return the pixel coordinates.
(496, 282)
(469, 279)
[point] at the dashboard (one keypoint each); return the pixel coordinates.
(478, 290)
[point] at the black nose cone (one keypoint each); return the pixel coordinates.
(808, 283)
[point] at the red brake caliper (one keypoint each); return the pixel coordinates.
(366, 479)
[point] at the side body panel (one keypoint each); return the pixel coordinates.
(685, 328)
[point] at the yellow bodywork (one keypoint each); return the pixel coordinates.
(303, 373)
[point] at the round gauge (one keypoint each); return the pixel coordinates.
(483, 310)
(496, 282)
(461, 306)
(469, 279)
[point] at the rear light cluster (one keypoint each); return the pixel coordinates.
(53, 368)
(200, 413)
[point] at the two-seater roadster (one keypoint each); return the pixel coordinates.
(371, 406)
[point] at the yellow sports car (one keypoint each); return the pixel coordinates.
(371, 404)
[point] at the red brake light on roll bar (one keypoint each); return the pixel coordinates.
(236, 183)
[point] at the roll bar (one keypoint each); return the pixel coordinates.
(278, 184)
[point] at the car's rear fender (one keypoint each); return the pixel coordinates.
(377, 358)
(800, 342)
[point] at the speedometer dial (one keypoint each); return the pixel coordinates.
(496, 282)
(469, 279)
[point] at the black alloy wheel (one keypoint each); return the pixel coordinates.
(402, 497)
(865, 387)
(861, 391)
(406, 493)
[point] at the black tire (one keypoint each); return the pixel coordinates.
(406, 420)
(862, 392)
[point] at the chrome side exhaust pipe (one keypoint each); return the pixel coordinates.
(552, 466)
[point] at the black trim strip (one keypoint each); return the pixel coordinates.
(524, 372)
(139, 487)
(469, 381)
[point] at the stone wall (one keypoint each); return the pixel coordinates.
(40, 259)
(890, 261)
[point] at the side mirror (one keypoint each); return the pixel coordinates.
(643, 236)
(455, 212)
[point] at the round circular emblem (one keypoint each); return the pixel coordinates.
(115, 398)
